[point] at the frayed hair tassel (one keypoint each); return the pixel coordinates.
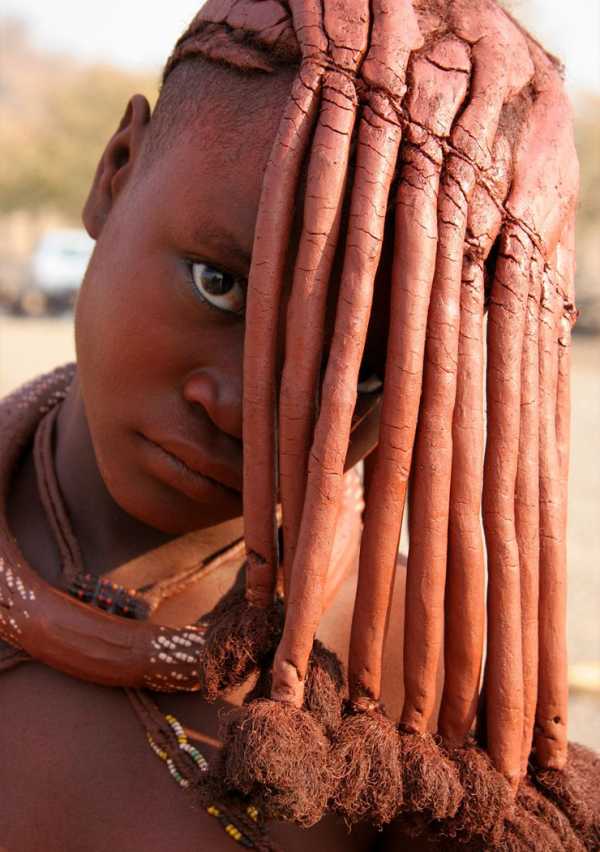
(487, 796)
(239, 636)
(570, 790)
(552, 810)
(367, 761)
(277, 756)
(323, 687)
(431, 782)
(550, 814)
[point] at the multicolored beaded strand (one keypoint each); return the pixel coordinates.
(107, 595)
(231, 829)
(182, 741)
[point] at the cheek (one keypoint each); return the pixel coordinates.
(121, 325)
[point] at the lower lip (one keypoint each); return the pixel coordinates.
(175, 472)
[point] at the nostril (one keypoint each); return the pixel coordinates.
(220, 399)
(200, 388)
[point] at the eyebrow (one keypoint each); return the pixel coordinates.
(224, 241)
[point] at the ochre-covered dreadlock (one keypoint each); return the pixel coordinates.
(453, 204)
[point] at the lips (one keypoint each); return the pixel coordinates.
(200, 464)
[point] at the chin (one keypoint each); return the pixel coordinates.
(167, 509)
(176, 524)
(179, 515)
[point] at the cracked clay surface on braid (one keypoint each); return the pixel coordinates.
(464, 159)
(378, 140)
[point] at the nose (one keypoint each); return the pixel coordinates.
(220, 395)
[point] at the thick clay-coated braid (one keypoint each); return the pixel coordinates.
(377, 146)
(566, 283)
(504, 664)
(367, 756)
(464, 602)
(328, 36)
(527, 513)
(265, 283)
(428, 522)
(305, 327)
(465, 579)
(337, 40)
(551, 716)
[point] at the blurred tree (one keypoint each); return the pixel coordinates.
(57, 115)
(587, 140)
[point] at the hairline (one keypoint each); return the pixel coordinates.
(199, 86)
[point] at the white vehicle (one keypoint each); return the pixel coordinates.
(56, 268)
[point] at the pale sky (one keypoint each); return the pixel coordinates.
(112, 30)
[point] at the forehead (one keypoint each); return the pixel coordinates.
(209, 181)
(215, 149)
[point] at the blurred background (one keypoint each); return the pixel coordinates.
(67, 70)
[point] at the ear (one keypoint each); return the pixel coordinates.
(116, 164)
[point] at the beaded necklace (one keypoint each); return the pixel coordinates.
(165, 735)
(30, 412)
(186, 764)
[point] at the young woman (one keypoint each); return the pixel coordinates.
(294, 254)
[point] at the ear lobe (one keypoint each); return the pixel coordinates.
(116, 165)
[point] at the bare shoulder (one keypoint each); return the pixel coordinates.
(76, 759)
(77, 773)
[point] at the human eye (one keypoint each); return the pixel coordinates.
(222, 290)
(368, 381)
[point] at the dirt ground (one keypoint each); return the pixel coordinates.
(32, 346)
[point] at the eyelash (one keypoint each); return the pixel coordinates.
(196, 292)
(222, 312)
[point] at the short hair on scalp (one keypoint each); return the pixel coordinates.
(197, 88)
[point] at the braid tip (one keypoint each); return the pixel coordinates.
(367, 758)
(278, 757)
(430, 780)
(239, 636)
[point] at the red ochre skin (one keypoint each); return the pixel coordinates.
(76, 771)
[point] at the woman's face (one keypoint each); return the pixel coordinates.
(160, 320)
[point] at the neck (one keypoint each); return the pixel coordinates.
(108, 537)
